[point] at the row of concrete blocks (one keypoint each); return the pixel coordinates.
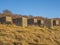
(26, 21)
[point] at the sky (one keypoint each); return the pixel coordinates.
(44, 8)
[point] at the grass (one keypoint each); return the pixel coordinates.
(31, 35)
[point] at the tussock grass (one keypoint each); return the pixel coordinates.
(31, 35)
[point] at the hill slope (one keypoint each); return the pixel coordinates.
(32, 35)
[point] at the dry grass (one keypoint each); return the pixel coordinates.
(32, 35)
